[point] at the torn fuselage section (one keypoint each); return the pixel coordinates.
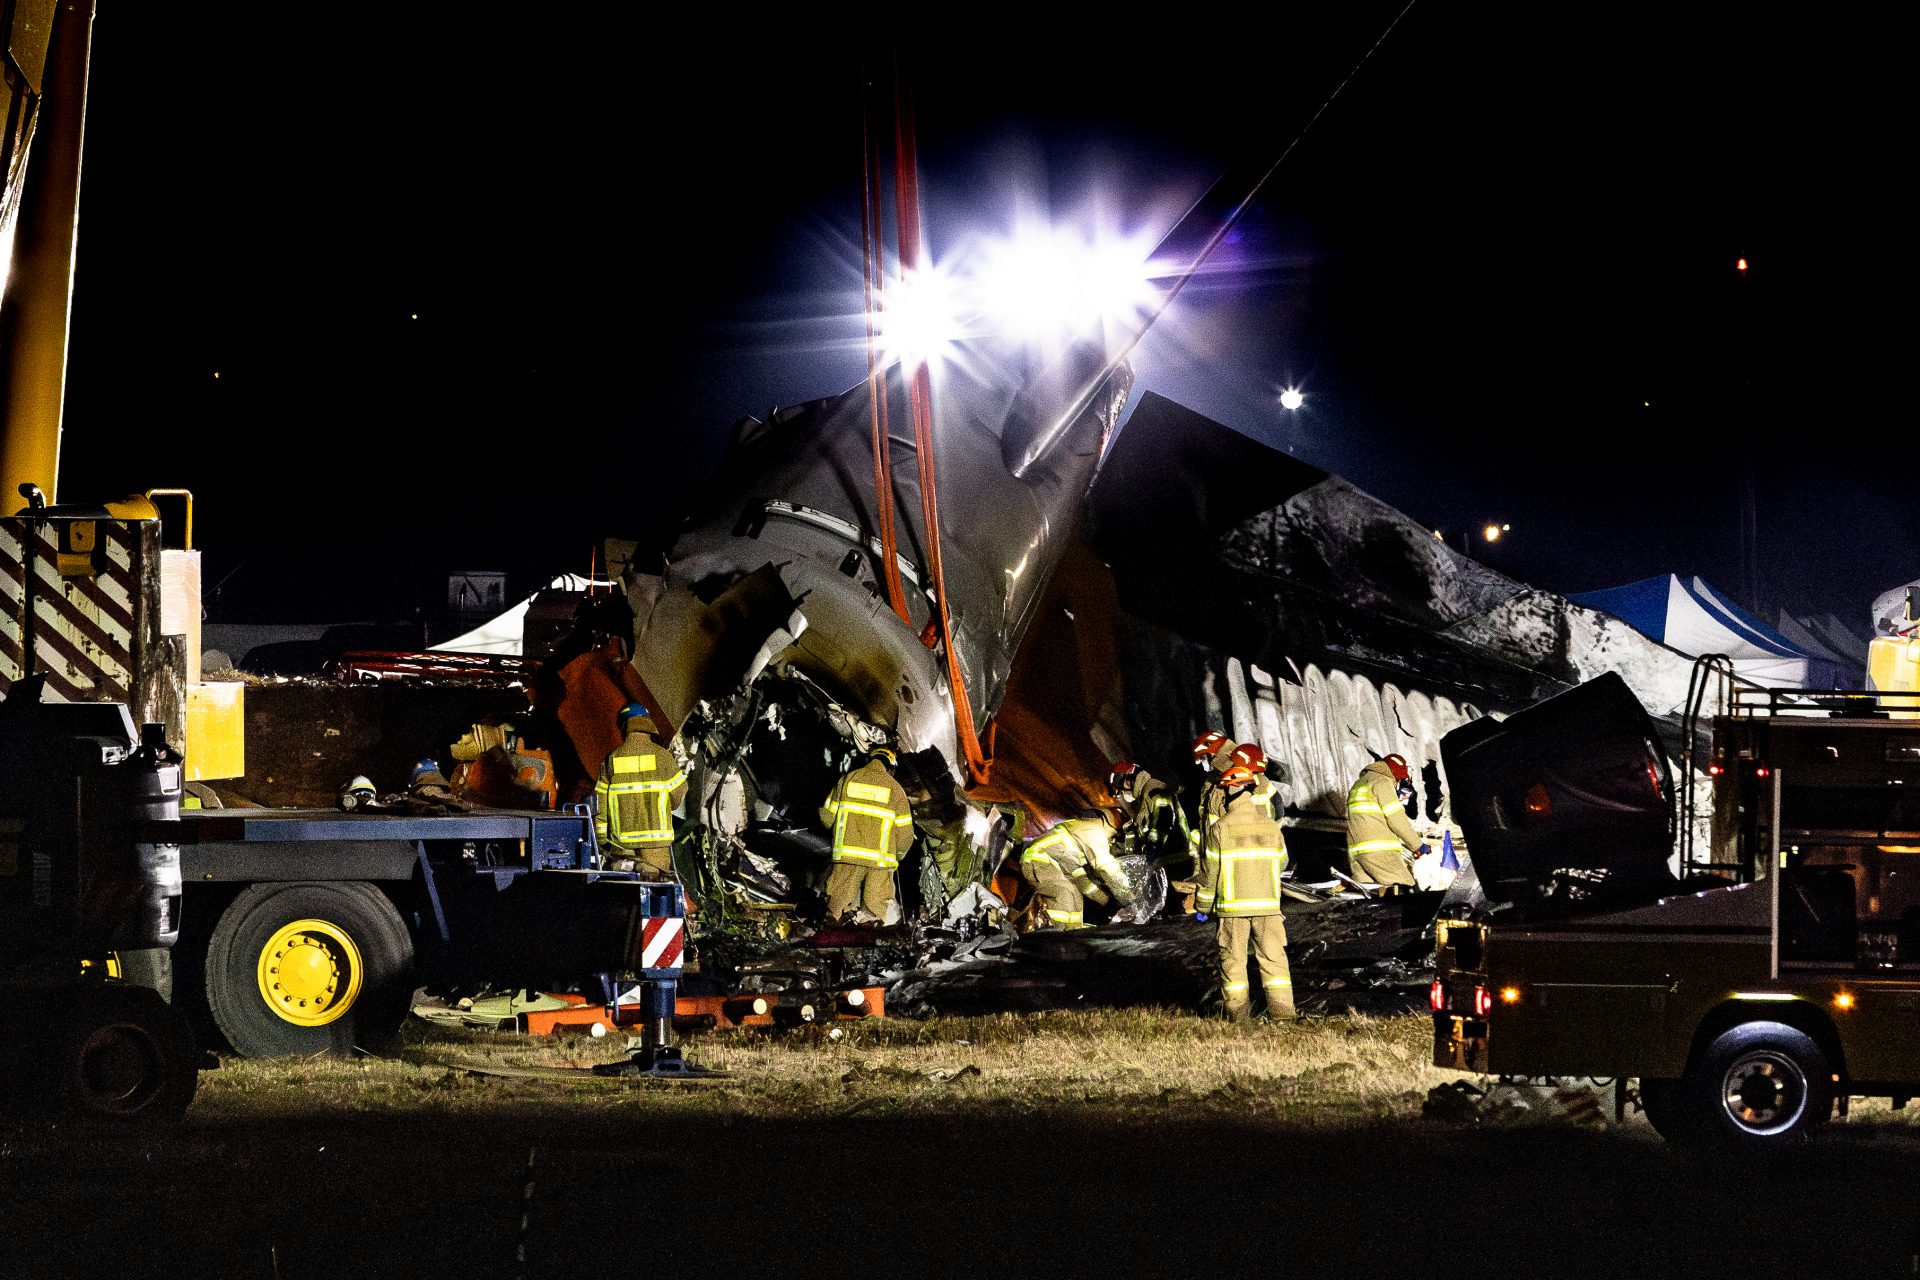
(1568, 804)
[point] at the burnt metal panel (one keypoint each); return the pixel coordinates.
(1567, 803)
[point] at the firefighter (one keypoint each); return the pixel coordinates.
(1073, 861)
(1155, 825)
(640, 786)
(872, 824)
(1381, 842)
(1243, 854)
(1212, 752)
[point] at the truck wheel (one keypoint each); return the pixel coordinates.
(100, 1052)
(306, 968)
(1760, 1084)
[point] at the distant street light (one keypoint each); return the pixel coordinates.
(1493, 531)
(1291, 399)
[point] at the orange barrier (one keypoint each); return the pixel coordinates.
(693, 1013)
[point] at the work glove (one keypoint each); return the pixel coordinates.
(1422, 851)
(1201, 916)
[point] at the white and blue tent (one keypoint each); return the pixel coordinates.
(1694, 617)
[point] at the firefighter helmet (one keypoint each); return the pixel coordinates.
(357, 794)
(1246, 765)
(425, 767)
(629, 712)
(1122, 773)
(884, 754)
(1210, 744)
(1398, 764)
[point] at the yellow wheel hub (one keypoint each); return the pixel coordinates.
(310, 972)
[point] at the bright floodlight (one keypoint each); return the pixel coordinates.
(1291, 398)
(1491, 533)
(919, 318)
(1047, 283)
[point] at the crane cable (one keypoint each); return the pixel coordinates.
(876, 385)
(906, 193)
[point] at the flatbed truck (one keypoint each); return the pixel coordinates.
(311, 930)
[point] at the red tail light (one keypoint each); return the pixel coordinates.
(1482, 1001)
(1437, 997)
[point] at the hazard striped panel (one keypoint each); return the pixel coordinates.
(661, 942)
(79, 604)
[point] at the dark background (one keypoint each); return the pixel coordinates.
(1500, 263)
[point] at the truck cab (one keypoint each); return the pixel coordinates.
(1753, 967)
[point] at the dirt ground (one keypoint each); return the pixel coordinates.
(1027, 1145)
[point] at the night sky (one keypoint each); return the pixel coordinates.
(481, 288)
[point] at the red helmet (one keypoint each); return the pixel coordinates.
(1208, 744)
(1248, 763)
(1397, 763)
(1122, 771)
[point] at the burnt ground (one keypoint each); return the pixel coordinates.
(975, 1192)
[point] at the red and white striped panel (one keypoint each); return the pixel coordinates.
(661, 942)
(83, 625)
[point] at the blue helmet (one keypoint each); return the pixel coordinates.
(429, 765)
(631, 710)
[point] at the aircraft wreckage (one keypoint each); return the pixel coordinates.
(1275, 601)
(979, 597)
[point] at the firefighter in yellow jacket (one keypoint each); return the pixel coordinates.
(872, 824)
(1381, 842)
(1243, 854)
(1072, 862)
(1156, 828)
(640, 785)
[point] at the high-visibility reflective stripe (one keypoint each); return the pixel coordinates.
(647, 784)
(1031, 856)
(1237, 986)
(867, 791)
(1240, 905)
(1277, 982)
(903, 820)
(655, 825)
(630, 764)
(1065, 917)
(1374, 846)
(845, 850)
(1360, 799)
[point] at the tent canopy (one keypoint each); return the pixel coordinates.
(1696, 618)
(506, 633)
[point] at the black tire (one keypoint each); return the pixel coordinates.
(1757, 1086)
(101, 1052)
(304, 968)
